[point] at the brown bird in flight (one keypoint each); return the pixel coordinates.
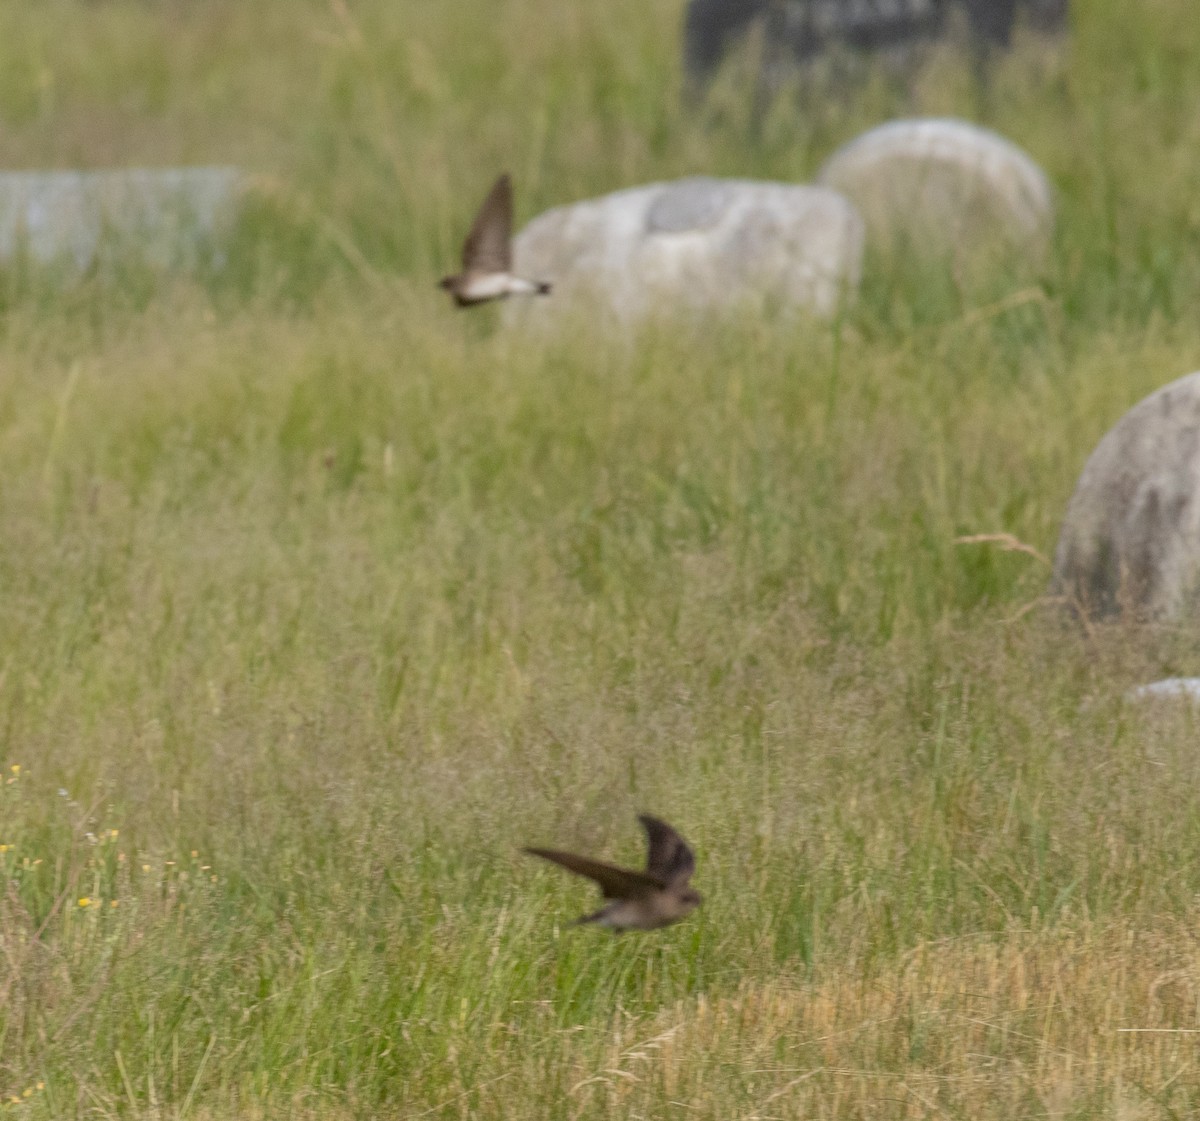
(645, 900)
(487, 255)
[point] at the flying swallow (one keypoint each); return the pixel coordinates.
(645, 900)
(487, 255)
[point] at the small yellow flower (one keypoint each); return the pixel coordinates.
(3, 848)
(113, 903)
(194, 854)
(41, 1085)
(145, 867)
(114, 833)
(28, 1092)
(85, 901)
(15, 768)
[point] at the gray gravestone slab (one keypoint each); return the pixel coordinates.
(168, 216)
(1170, 688)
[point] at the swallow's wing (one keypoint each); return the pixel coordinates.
(616, 883)
(488, 247)
(668, 856)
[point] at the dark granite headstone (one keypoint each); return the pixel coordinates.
(805, 29)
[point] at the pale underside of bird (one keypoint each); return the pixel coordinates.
(645, 900)
(487, 255)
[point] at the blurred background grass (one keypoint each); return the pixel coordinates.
(318, 599)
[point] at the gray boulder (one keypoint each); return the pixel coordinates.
(695, 244)
(944, 185)
(168, 217)
(1130, 541)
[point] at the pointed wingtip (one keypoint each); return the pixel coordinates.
(544, 854)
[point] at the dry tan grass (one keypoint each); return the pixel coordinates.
(1049, 1021)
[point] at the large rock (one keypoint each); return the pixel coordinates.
(1130, 541)
(695, 244)
(944, 185)
(172, 216)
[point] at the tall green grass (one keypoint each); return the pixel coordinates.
(318, 600)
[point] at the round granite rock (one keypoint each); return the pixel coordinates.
(696, 245)
(944, 184)
(1130, 541)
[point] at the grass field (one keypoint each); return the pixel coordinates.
(318, 600)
